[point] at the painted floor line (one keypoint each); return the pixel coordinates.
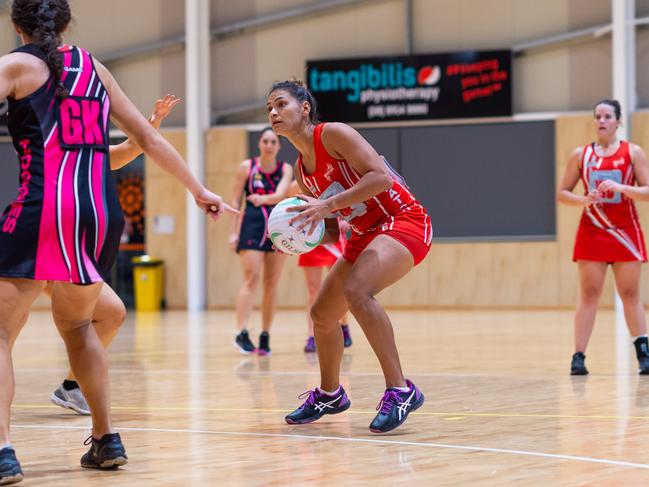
(455, 415)
(482, 449)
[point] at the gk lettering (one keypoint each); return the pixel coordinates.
(81, 122)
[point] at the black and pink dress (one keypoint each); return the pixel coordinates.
(65, 223)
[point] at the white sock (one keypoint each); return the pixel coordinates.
(639, 336)
(327, 393)
(401, 389)
(8, 445)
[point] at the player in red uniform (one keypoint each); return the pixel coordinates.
(391, 234)
(614, 173)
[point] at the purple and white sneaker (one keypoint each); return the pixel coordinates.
(394, 408)
(318, 404)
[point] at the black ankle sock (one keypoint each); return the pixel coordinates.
(68, 385)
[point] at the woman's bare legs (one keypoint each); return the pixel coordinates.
(72, 308)
(16, 296)
(627, 283)
(313, 279)
(107, 318)
(591, 283)
(273, 266)
(251, 262)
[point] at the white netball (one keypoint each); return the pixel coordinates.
(286, 237)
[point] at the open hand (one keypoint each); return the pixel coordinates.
(163, 108)
(310, 214)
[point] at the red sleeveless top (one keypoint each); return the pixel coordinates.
(616, 210)
(333, 176)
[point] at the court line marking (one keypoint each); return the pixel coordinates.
(314, 372)
(482, 449)
(454, 415)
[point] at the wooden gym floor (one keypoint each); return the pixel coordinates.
(500, 406)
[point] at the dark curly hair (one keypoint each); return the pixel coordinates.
(44, 21)
(299, 91)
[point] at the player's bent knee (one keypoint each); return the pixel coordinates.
(356, 294)
(321, 317)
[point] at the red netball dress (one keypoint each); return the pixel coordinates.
(609, 231)
(324, 255)
(394, 212)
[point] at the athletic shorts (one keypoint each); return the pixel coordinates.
(411, 228)
(322, 256)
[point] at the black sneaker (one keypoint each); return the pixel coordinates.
(578, 367)
(108, 452)
(347, 337)
(10, 471)
(243, 343)
(318, 404)
(395, 407)
(264, 344)
(641, 345)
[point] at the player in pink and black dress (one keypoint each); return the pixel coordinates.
(613, 173)
(262, 182)
(65, 224)
(391, 233)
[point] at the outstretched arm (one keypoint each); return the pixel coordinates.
(122, 154)
(131, 121)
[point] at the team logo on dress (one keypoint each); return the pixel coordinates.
(618, 162)
(328, 172)
(257, 181)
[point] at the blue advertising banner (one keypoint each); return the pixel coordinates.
(428, 86)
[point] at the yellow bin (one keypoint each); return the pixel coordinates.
(148, 276)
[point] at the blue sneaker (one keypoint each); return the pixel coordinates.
(395, 407)
(10, 471)
(318, 404)
(105, 453)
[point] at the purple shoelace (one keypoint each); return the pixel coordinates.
(389, 398)
(310, 397)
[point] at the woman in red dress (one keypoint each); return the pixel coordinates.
(342, 175)
(614, 173)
